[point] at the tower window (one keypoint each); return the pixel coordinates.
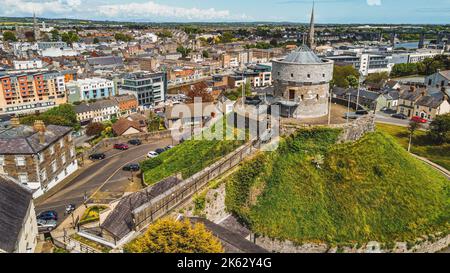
(292, 75)
(309, 76)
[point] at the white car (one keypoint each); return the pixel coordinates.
(46, 226)
(152, 154)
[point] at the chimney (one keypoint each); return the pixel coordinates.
(423, 93)
(39, 127)
(412, 88)
(15, 122)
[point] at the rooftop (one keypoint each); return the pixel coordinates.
(303, 55)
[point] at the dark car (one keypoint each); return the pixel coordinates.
(399, 116)
(168, 147)
(160, 151)
(48, 215)
(362, 112)
(132, 168)
(121, 146)
(135, 142)
(97, 156)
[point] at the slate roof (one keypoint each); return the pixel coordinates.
(95, 106)
(120, 221)
(15, 201)
(232, 242)
(432, 101)
(303, 55)
(105, 61)
(24, 140)
(413, 95)
(445, 74)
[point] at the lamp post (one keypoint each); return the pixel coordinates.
(348, 106)
(361, 76)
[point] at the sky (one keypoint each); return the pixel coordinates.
(327, 11)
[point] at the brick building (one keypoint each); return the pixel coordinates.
(38, 156)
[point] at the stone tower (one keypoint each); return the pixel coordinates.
(311, 42)
(35, 27)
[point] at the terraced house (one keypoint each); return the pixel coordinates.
(38, 156)
(28, 92)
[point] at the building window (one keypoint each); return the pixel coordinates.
(292, 75)
(61, 142)
(63, 158)
(72, 152)
(54, 166)
(43, 175)
(2, 160)
(309, 76)
(20, 160)
(69, 137)
(52, 150)
(23, 178)
(41, 157)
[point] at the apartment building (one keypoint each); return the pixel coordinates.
(37, 156)
(90, 89)
(27, 64)
(148, 88)
(30, 92)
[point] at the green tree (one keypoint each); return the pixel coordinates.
(63, 115)
(9, 36)
(353, 81)
(376, 78)
(154, 122)
(341, 75)
(412, 128)
(170, 236)
(122, 37)
(70, 37)
(184, 51)
(401, 70)
(440, 129)
(55, 35)
(205, 54)
(95, 129)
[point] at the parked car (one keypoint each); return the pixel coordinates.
(97, 156)
(152, 154)
(48, 215)
(351, 115)
(362, 112)
(46, 226)
(135, 142)
(419, 119)
(399, 116)
(168, 147)
(160, 151)
(121, 146)
(131, 168)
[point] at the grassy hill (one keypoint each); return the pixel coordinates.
(368, 190)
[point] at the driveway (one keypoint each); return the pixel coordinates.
(105, 175)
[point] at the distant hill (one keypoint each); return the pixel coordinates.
(363, 191)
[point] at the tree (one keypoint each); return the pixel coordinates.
(440, 129)
(122, 37)
(353, 81)
(29, 36)
(412, 128)
(55, 35)
(63, 115)
(95, 129)
(341, 75)
(154, 122)
(184, 51)
(205, 54)
(70, 37)
(248, 89)
(171, 236)
(96, 40)
(377, 78)
(9, 36)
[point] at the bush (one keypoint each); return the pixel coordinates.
(150, 164)
(94, 129)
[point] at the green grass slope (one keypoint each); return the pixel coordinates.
(368, 190)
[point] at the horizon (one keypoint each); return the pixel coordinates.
(383, 12)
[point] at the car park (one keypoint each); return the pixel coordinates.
(131, 167)
(48, 215)
(100, 156)
(121, 146)
(152, 154)
(135, 142)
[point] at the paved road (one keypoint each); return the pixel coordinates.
(385, 118)
(104, 175)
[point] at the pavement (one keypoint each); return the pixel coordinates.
(387, 119)
(101, 176)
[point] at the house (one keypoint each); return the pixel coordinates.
(140, 119)
(128, 104)
(408, 99)
(18, 226)
(429, 106)
(38, 156)
(90, 89)
(392, 85)
(388, 100)
(99, 111)
(124, 127)
(189, 115)
(439, 79)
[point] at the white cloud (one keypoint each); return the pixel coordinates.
(374, 2)
(151, 9)
(22, 7)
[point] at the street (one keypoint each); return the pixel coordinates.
(386, 118)
(102, 176)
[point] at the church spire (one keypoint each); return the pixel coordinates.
(311, 42)
(35, 27)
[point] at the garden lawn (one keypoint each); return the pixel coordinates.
(368, 190)
(439, 154)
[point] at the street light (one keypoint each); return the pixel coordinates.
(361, 76)
(348, 107)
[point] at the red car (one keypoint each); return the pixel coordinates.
(121, 146)
(419, 119)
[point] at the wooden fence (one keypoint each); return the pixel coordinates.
(164, 203)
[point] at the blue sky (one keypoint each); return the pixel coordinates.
(327, 11)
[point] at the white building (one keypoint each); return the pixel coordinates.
(91, 88)
(28, 64)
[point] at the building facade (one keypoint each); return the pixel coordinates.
(28, 92)
(90, 89)
(38, 156)
(148, 88)
(301, 82)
